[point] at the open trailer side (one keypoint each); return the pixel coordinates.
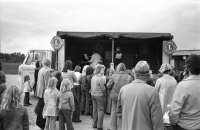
(134, 46)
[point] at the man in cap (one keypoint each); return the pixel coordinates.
(185, 105)
(166, 86)
(138, 103)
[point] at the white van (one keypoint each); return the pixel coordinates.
(28, 65)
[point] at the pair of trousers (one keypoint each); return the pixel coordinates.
(50, 123)
(77, 89)
(77, 112)
(26, 98)
(40, 121)
(65, 116)
(98, 111)
(115, 123)
(85, 101)
(177, 127)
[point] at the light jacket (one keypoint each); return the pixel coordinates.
(66, 100)
(71, 76)
(166, 86)
(50, 101)
(116, 82)
(97, 86)
(43, 77)
(139, 107)
(185, 105)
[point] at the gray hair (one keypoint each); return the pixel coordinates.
(46, 62)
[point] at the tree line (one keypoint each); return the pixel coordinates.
(13, 57)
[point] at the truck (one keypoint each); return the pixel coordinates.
(155, 48)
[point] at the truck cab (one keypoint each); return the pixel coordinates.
(28, 65)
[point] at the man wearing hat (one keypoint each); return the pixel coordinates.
(166, 86)
(185, 105)
(138, 103)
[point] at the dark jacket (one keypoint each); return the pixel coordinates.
(2, 89)
(85, 84)
(14, 118)
(36, 78)
(116, 81)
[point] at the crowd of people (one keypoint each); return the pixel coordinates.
(134, 99)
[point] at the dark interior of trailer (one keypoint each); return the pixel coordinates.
(133, 50)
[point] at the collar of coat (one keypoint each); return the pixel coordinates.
(138, 81)
(120, 72)
(192, 77)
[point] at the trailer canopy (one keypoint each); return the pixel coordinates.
(165, 36)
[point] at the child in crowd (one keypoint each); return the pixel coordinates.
(2, 84)
(77, 85)
(66, 105)
(27, 90)
(12, 115)
(50, 111)
(58, 76)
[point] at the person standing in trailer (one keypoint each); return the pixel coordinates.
(96, 58)
(118, 56)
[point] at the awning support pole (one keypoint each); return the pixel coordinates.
(112, 50)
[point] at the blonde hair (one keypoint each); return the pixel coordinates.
(11, 96)
(84, 69)
(66, 85)
(52, 83)
(97, 69)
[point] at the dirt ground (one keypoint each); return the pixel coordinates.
(86, 120)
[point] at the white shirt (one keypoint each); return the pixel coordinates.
(95, 59)
(27, 86)
(78, 76)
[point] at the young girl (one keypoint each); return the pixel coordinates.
(12, 115)
(50, 111)
(66, 105)
(27, 89)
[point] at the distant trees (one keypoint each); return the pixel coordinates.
(13, 57)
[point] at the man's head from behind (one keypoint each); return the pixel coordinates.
(192, 64)
(46, 62)
(142, 70)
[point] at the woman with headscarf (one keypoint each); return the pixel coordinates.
(69, 74)
(115, 83)
(166, 86)
(98, 93)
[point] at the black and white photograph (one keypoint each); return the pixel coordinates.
(99, 64)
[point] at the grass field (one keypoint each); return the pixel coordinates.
(10, 68)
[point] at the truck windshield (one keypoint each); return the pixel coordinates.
(34, 56)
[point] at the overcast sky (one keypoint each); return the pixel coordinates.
(31, 24)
